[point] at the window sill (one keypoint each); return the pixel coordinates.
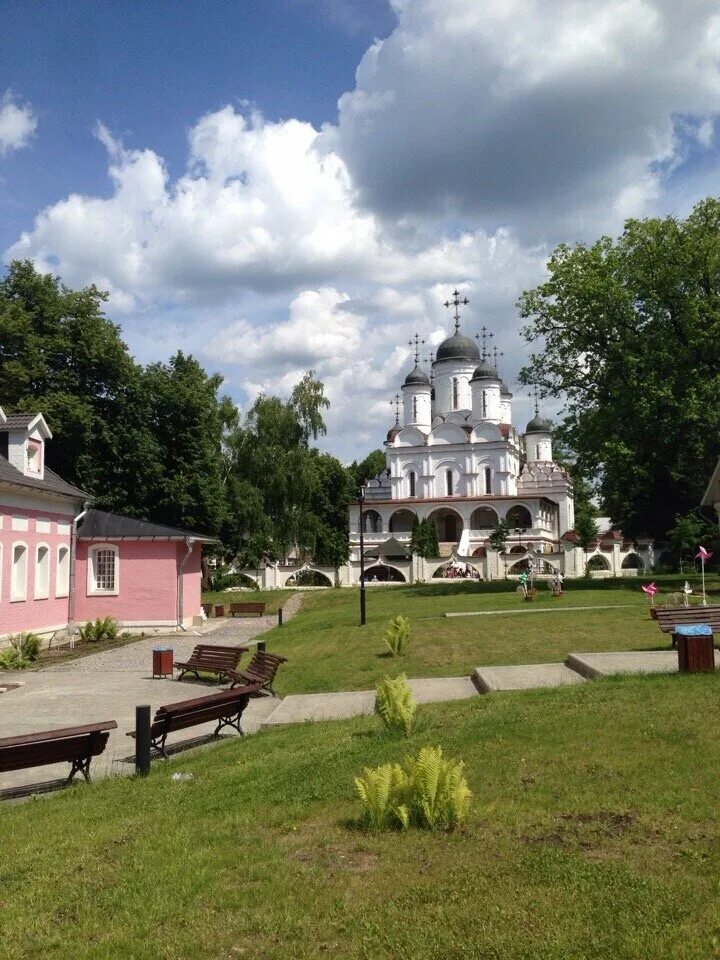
(18, 599)
(44, 596)
(61, 596)
(103, 593)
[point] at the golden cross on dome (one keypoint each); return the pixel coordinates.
(457, 302)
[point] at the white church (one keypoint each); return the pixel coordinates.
(457, 460)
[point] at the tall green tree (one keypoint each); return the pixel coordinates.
(373, 464)
(629, 335)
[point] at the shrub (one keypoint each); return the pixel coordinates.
(12, 659)
(104, 628)
(429, 792)
(397, 635)
(394, 704)
(27, 644)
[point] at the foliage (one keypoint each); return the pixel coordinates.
(629, 335)
(397, 635)
(394, 704)
(373, 464)
(24, 649)
(498, 537)
(429, 792)
(687, 533)
(94, 631)
(424, 539)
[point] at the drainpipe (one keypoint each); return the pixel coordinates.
(189, 543)
(73, 555)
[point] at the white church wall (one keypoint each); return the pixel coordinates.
(417, 406)
(445, 372)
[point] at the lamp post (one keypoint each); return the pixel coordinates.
(362, 558)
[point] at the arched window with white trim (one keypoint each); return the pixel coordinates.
(415, 409)
(42, 572)
(103, 570)
(449, 483)
(411, 480)
(62, 573)
(18, 573)
(488, 480)
(455, 393)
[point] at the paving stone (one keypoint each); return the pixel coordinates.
(593, 665)
(442, 688)
(528, 676)
(322, 706)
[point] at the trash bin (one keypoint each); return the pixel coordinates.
(695, 646)
(162, 661)
(219, 609)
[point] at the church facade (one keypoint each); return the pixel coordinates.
(454, 458)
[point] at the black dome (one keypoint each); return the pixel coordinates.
(457, 347)
(485, 372)
(417, 376)
(538, 424)
(504, 389)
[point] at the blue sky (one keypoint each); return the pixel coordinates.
(284, 184)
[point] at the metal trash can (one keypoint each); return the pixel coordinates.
(695, 646)
(163, 658)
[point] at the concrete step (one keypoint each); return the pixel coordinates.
(528, 676)
(592, 665)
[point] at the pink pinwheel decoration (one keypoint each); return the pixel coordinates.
(650, 589)
(703, 554)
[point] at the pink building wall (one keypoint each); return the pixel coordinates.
(148, 572)
(31, 614)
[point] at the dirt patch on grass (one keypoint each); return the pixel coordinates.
(337, 857)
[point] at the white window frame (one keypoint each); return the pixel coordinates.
(62, 589)
(15, 596)
(44, 594)
(92, 589)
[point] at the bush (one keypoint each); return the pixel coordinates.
(429, 792)
(23, 650)
(397, 635)
(394, 704)
(104, 628)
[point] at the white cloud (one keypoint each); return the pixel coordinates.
(541, 115)
(17, 124)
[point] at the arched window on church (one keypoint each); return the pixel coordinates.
(537, 451)
(415, 409)
(449, 482)
(484, 404)
(488, 480)
(455, 393)
(411, 479)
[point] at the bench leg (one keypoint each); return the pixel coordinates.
(82, 766)
(158, 744)
(229, 722)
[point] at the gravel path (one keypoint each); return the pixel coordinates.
(134, 657)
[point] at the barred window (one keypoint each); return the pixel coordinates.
(103, 570)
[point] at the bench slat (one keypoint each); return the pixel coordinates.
(61, 734)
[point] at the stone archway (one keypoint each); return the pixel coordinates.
(598, 562)
(384, 573)
(633, 562)
(519, 517)
(483, 518)
(448, 523)
(402, 521)
(372, 521)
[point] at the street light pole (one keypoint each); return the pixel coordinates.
(362, 558)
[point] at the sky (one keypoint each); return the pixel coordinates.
(283, 185)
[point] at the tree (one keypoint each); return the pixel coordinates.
(498, 537)
(686, 535)
(373, 464)
(424, 539)
(586, 531)
(629, 336)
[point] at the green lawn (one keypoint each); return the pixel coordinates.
(594, 834)
(328, 650)
(272, 598)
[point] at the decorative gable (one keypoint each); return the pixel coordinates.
(24, 436)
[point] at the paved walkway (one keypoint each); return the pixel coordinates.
(109, 685)
(552, 609)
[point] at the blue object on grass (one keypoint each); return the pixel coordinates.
(693, 629)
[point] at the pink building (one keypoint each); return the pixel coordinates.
(63, 562)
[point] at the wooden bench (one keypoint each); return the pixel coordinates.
(669, 617)
(261, 670)
(74, 745)
(245, 609)
(211, 658)
(227, 707)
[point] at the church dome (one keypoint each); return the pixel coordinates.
(457, 347)
(417, 376)
(538, 424)
(485, 372)
(504, 389)
(392, 433)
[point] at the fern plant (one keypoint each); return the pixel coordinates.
(104, 628)
(439, 796)
(429, 792)
(27, 645)
(394, 704)
(382, 792)
(397, 635)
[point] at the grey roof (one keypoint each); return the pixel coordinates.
(485, 372)
(538, 424)
(50, 483)
(99, 525)
(391, 549)
(417, 376)
(504, 389)
(16, 421)
(457, 347)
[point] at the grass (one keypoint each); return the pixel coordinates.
(272, 598)
(328, 650)
(594, 834)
